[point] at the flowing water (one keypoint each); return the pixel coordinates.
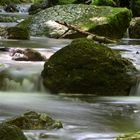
(84, 117)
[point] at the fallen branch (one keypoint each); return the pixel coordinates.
(89, 35)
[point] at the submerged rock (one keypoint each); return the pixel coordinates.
(87, 67)
(130, 136)
(33, 120)
(134, 28)
(105, 21)
(11, 132)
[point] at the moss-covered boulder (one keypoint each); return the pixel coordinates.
(17, 33)
(130, 136)
(104, 3)
(134, 28)
(104, 21)
(87, 67)
(33, 120)
(11, 132)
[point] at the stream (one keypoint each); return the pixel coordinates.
(84, 117)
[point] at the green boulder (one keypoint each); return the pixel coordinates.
(89, 68)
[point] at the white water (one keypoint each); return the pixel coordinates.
(96, 119)
(25, 76)
(102, 119)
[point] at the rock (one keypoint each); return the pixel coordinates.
(105, 21)
(130, 136)
(26, 55)
(11, 8)
(134, 28)
(89, 68)
(11, 132)
(104, 3)
(17, 33)
(33, 120)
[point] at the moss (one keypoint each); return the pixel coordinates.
(25, 24)
(66, 1)
(87, 67)
(7, 18)
(7, 2)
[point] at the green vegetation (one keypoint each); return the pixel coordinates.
(103, 2)
(7, 2)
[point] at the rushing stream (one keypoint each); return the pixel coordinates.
(84, 117)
